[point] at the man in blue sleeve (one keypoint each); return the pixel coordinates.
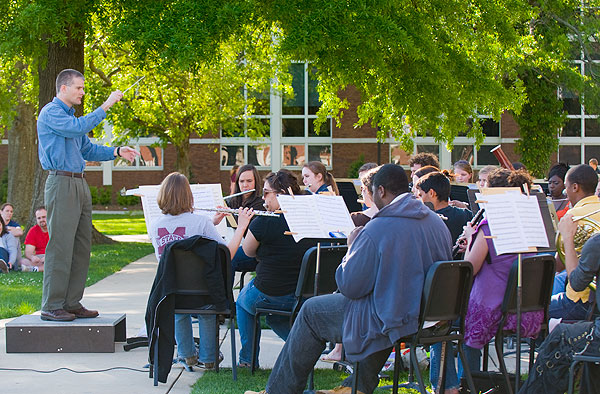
(63, 149)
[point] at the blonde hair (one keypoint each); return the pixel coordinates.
(175, 195)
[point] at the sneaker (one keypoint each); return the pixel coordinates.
(3, 266)
(210, 365)
(29, 268)
(255, 392)
(191, 361)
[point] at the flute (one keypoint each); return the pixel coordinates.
(238, 194)
(236, 211)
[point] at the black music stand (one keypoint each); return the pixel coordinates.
(319, 241)
(348, 193)
(550, 235)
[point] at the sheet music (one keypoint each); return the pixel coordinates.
(515, 222)
(205, 196)
(314, 216)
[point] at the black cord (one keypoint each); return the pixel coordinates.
(72, 370)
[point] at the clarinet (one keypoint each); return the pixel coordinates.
(474, 222)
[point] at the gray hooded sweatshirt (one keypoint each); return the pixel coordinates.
(384, 271)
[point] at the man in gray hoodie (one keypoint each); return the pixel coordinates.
(380, 281)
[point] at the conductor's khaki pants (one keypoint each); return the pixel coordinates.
(69, 206)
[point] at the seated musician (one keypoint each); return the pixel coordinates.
(371, 311)
(279, 260)
(317, 179)
(550, 374)
(247, 179)
(482, 176)
(178, 222)
(556, 187)
(580, 185)
(418, 174)
(362, 217)
(491, 273)
(435, 189)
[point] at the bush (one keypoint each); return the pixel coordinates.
(355, 165)
(101, 195)
(127, 201)
(105, 195)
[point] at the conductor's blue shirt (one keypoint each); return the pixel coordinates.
(63, 141)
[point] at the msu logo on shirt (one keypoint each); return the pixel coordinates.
(165, 237)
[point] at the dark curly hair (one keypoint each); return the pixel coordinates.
(502, 177)
(282, 181)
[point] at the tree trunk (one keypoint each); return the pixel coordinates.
(183, 163)
(23, 162)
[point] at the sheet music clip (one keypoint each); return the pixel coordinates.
(289, 233)
(481, 202)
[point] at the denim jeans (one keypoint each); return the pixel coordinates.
(560, 282)
(550, 372)
(472, 355)
(184, 336)
(4, 255)
(241, 262)
(319, 321)
(251, 298)
(562, 307)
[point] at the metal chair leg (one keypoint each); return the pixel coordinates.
(255, 340)
(499, 343)
(217, 344)
(397, 366)
(233, 352)
(572, 376)
(415, 363)
(355, 380)
(466, 368)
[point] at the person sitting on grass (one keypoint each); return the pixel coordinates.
(35, 243)
(6, 211)
(8, 248)
(178, 222)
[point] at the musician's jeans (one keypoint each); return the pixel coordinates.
(241, 262)
(560, 282)
(251, 298)
(562, 307)
(4, 255)
(184, 336)
(319, 321)
(472, 355)
(550, 373)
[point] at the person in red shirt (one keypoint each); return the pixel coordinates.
(35, 243)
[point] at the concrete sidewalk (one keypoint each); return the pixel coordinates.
(123, 292)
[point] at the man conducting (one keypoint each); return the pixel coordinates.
(63, 149)
(371, 311)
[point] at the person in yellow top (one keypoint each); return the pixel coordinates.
(580, 185)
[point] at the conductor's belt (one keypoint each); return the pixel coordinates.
(67, 173)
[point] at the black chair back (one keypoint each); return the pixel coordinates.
(446, 291)
(192, 288)
(537, 278)
(330, 259)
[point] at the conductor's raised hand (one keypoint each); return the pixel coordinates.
(114, 97)
(128, 153)
(244, 216)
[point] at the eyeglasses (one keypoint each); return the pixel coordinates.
(267, 191)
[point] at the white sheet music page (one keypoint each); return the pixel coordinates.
(334, 214)
(515, 222)
(314, 216)
(205, 196)
(301, 215)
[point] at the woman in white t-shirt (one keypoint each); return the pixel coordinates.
(178, 222)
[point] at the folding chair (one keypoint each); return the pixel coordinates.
(445, 299)
(537, 278)
(330, 259)
(193, 293)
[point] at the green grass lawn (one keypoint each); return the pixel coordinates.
(22, 291)
(117, 224)
(222, 382)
